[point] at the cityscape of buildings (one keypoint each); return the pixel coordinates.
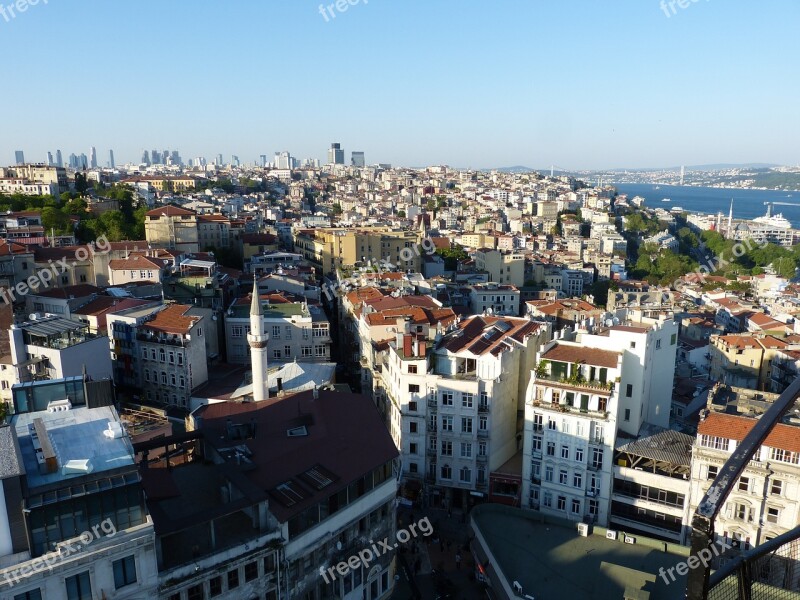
(296, 353)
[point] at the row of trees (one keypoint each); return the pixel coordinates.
(68, 214)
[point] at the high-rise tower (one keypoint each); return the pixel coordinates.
(258, 347)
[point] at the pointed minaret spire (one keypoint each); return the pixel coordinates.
(258, 347)
(730, 221)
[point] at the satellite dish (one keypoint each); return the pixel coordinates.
(615, 320)
(609, 323)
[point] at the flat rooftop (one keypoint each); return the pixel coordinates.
(550, 560)
(75, 434)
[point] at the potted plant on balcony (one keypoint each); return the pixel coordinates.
(541, 369)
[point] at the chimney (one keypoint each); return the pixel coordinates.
(422, 349)
(407, 345)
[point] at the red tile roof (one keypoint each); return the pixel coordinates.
(583, 355)
(172, 319)
(735, 427)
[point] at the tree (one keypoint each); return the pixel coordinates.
(81, 184)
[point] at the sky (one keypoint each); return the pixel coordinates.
(579, 84)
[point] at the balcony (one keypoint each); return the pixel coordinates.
(483, 408)
(483, 433)
(482, 458)
(430, 452)
(432, 403)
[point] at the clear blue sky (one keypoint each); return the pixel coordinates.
(578, 84)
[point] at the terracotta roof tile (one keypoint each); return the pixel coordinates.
(735, 427)
(582, 354)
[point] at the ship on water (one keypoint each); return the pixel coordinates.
(777, 220)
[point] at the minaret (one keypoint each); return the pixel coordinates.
(258, 347)
(729, 233)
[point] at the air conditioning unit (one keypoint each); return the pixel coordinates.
(611, 534)
(583, 529)
(629, 539)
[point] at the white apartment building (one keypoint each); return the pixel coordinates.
(583, 393)
(296, 330)
(765, 501)
(494, 298)
(453, 406)
(53, 348)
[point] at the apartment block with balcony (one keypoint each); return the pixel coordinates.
(173, 356)
(53, 348)
(493, 298)
(765, 501)
(650, 494)
(172, 227)
(454, 407)
(504, 267)
(744, 360)
(584, 393)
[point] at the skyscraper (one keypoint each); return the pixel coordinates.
(111, 159)
(176, 158)
(146, 158)
(19, 156)
(73, 161)
(357, 159)
(335, 154)
(263, 158)
(49, 159)
(219, 160)
(59, 160)
(155, 157)
(93, 157)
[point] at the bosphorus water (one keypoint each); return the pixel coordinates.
(747, 204)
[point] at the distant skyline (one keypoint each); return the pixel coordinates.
(580, 85)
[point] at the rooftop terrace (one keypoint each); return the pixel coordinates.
(550, 560)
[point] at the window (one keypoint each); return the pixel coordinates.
(672, 339)
(547, 499)
(712, 472)
(447, 398)
(466, 450)
(413, 388)
(466, 400)
(742, 512)
(447, 448)
(627, 414)
(551, 425)
(597, 458)
(481, 448)
(237, 331)
(446, 472)
(629, 390)
(562, 476)
(576, 506)
(124, 571)
(412, 427)
(776, 487)
(276, 332)
(466, 425)
(551, 448)
(319, 351)
(161, 355)
(744, 484)
(412, 467)
(305, 350)
(79, 587)
(773, 514)
(31, 595)
(251, 571)
(163, 377)
(412, 406)
(181, 381)
(447, 423)
(548, 474)
(287, 351)
(288, 332)
(713, 441)
(412, 369)
(658, 344)
(565, 452)
(594, 507)
(484, 397)
(577, 480)
(579, 455)
(172, 378)
(195, 592)
(233, 579)
(215, 586)
(465, 475)
(412, 448)
(562, 503)
(276, 353)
